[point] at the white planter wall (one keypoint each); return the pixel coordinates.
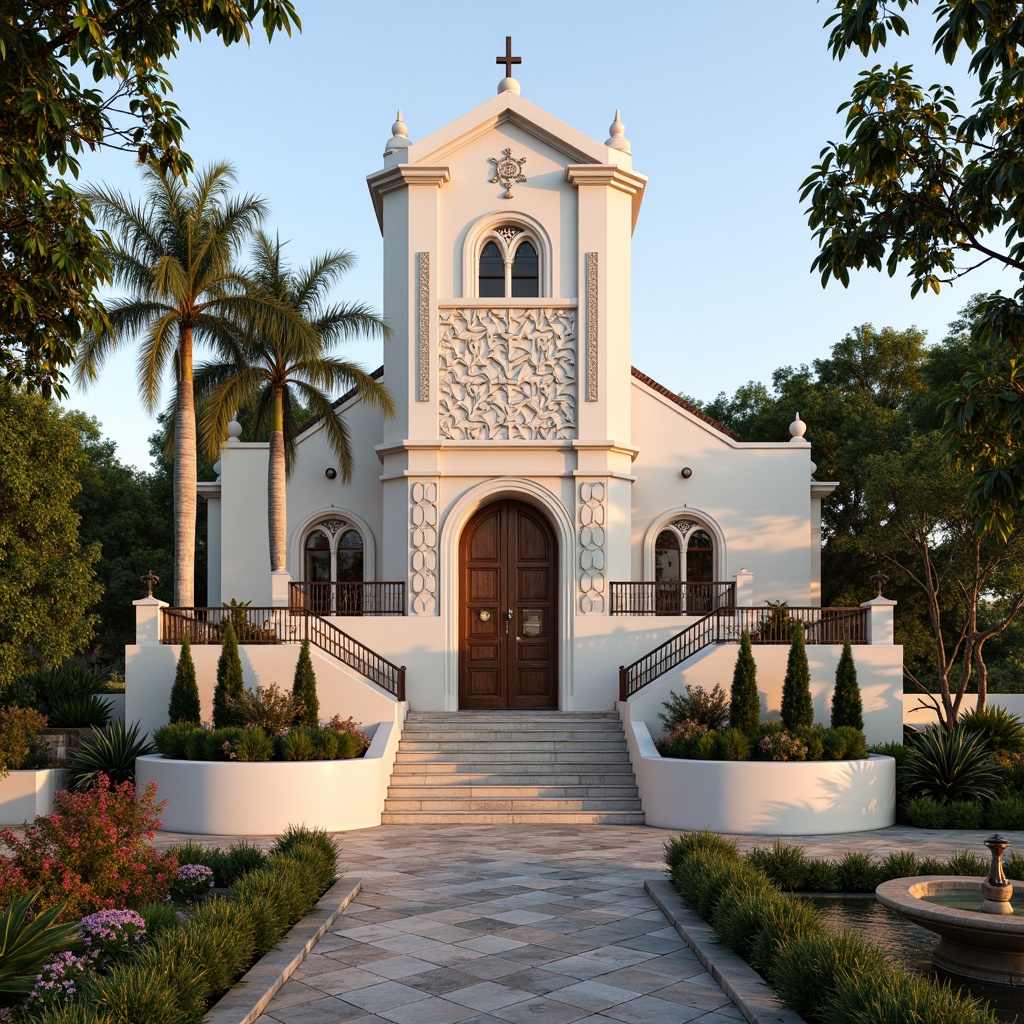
(265, 797)
(788, 798)
(26, 794)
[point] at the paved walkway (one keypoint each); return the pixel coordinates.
(511, 924)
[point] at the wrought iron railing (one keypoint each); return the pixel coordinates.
(277, 626)
(385, 598)
(773, 624)
(671, 598)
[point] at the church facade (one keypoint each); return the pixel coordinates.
(539, 512)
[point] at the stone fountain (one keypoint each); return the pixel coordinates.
(985, 943)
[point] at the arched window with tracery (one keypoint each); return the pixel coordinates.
(684, 569)
(333, 568)
(508, 266)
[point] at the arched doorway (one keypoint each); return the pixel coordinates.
(508, 609)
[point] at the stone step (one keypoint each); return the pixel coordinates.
(524, 746)
(509, 773)
(429, 790)
(525, 803)
(481, 736)
(499, 715)
(485, 758)
(512, 818)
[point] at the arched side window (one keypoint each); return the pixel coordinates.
(333, 568)
(684, 569)
(509, 265)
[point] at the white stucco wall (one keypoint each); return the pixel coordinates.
(915, 715)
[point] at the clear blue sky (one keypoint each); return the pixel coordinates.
(726, 107)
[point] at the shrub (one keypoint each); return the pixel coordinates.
(304, 690)
(681, 741)
(187, 985)
(268, 707)
(857, 872)
(21, 745)
(79, 712)
(108, 934)
(1002, 731)
(708, 709)
(253, 745)
(301, 835)
(172, 740)
(744, 701)
(184, 703)
(778, 745)
(924, 812)
(296, 745)
(797, 706)
(933, 866)
(897, 751)
(137, 992)
(701, 878)
(215, 939)
(813, 738)
(821, 876)
(349, 727)
(192, 881)
(239, 860)
(328, 745)
(743, 910)
(847, 707)
(159, 916)
(950, 765)
(784, 864)
(731, 745)
(967, 863)
(49, 686)
(110, 754)
(843, 742)
(681, 846)
(351, 745)
(94, 852)
(1014, 866)
(788, 919)
(28, 940)
(269, 900)
(901, 864)
(963, 814)
(809, 967)
(201, 745)
(230, 684)
(60, 980)
(1005, 814)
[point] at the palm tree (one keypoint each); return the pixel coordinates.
(271, 367)
(174, 252)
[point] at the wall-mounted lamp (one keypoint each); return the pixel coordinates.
(330, 472)
(686, 473)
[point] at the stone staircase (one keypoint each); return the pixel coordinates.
(512, 767)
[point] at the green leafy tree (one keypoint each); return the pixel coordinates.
(47, 578)
(917, 183)
(797, 705)
(744, 702)
(175, 253)
(304, 690)
(270, 364)
(78, 77)
(184, 703)
(847, 708)
(230, 682)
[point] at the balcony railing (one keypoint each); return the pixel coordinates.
(671, 598)
(349, 598)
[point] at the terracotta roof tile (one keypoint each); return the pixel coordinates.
(682, 403)
(351, 393)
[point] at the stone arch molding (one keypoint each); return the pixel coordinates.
(452, 525)
(303, 528)
(486, 228)
(703, 520)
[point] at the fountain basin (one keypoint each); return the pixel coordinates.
(972, 944)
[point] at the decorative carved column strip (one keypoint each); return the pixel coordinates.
(592, 327)
(424, 326)
(423, 547)
(591, 522)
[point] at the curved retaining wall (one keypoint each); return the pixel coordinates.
(786, 798)
(265, 797)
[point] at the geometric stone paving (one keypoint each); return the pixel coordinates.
(470, 925)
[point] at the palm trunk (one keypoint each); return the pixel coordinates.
(185, 478)
(277, 513)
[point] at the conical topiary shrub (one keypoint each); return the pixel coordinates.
(184, 705)
(797, 706)
(230, 683)
(304, 690)
(744, 703)
(847, 708)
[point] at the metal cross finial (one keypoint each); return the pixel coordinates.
(508, 60)
(879, 579)
(151, 580)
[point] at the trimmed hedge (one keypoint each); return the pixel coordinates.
(824, 976)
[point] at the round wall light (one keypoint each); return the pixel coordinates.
(330, 472)
(686, 473)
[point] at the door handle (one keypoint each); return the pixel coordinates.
(509, 615)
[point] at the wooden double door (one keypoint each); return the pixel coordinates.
(508, 629)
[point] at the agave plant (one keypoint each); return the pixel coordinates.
(26, 944)
(1003, 731)
(111, 753)
(79, 712)
(951, 766)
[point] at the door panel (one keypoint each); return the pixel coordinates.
(508, 647)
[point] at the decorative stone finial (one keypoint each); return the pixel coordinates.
(508, 83)
(216, 469)
(618, 138)
(399, 136)
(234, 432)
(879, 580)
(151, 580)
(797, 429)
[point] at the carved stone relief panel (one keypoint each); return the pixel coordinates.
(592, 327)
(424, 327)
(423, 546)
(507, 374)
(591, 522)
